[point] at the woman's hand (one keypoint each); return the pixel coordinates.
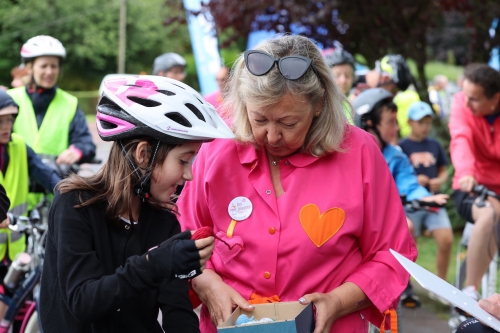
(328, 307)
(220, 298)
(491, 305)
(440, 199)
(467, 183)
(68, 156)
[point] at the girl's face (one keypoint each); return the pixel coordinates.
(281, 128)
(6, 123)
(46, 71)
(388, 126)
(175, 170)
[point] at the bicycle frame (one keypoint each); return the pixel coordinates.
(18, 301)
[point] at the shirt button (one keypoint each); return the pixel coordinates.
(267, 275)
(127, 226)
(272, 230)
(287, 163)
(118, 310)
(268, 192)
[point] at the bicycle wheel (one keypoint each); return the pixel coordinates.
(32, 326)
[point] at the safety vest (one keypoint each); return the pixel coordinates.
(403, 100)
(348, 113)
(15, 182)
(52, 138)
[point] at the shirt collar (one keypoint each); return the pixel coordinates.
(248, 154)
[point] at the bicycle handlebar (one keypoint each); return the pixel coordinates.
(419, 204)
(484, 193)
(25, 223)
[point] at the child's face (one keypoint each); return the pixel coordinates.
(420, 128)
(388, 126)
(176, 169)
(6, 123)
(344, 77)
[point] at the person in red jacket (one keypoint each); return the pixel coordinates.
(475, 153)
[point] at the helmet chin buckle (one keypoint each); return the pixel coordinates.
(142, 189)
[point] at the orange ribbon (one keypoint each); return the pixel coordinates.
(394, 321)
(256, 299)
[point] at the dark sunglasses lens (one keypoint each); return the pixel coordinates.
(293, 68)
(259, 64)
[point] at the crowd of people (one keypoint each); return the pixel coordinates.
(298, 166)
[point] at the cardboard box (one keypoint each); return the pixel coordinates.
(291, 317)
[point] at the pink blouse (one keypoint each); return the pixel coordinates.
(336, 222)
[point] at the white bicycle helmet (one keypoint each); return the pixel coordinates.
(158, 107)
(39, 46)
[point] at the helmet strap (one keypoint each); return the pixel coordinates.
(143, 185)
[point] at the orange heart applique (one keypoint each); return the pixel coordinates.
(321, 227)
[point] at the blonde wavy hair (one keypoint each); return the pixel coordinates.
(327, 131)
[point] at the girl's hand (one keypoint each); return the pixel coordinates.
(220, 298)
(205, 248)
(328, 307)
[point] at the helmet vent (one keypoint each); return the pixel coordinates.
(107, 125)
(106, 103)
(178, 118)
(179, 86)
(166, 92)
(144, 101)
(195, 110)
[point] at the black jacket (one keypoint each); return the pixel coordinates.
(96, 277)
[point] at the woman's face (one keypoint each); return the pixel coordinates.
(282, 128)
(46, 71)
(388, 126)
(6, 123)
(344, 77)
(175, 170)
(478, 103)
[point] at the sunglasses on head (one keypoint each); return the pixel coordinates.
(291, 67)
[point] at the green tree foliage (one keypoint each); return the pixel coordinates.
(89, 31)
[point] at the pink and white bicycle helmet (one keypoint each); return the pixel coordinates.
(165, 109)
(39, 46)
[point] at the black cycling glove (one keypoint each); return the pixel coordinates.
(176, 257)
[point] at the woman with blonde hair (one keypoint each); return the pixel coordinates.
(305, 200)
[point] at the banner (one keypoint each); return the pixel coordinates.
(205, 50)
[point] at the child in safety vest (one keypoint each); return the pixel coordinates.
(18, 163)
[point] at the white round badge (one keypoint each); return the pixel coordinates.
(240, 208)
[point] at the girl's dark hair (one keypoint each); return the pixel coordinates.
(115, 181)
(376, 114)
(485, 76)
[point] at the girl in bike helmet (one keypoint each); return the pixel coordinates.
(109, 262)
(376, 113)
(50, 120)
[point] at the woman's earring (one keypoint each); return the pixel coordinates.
(317, 114)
